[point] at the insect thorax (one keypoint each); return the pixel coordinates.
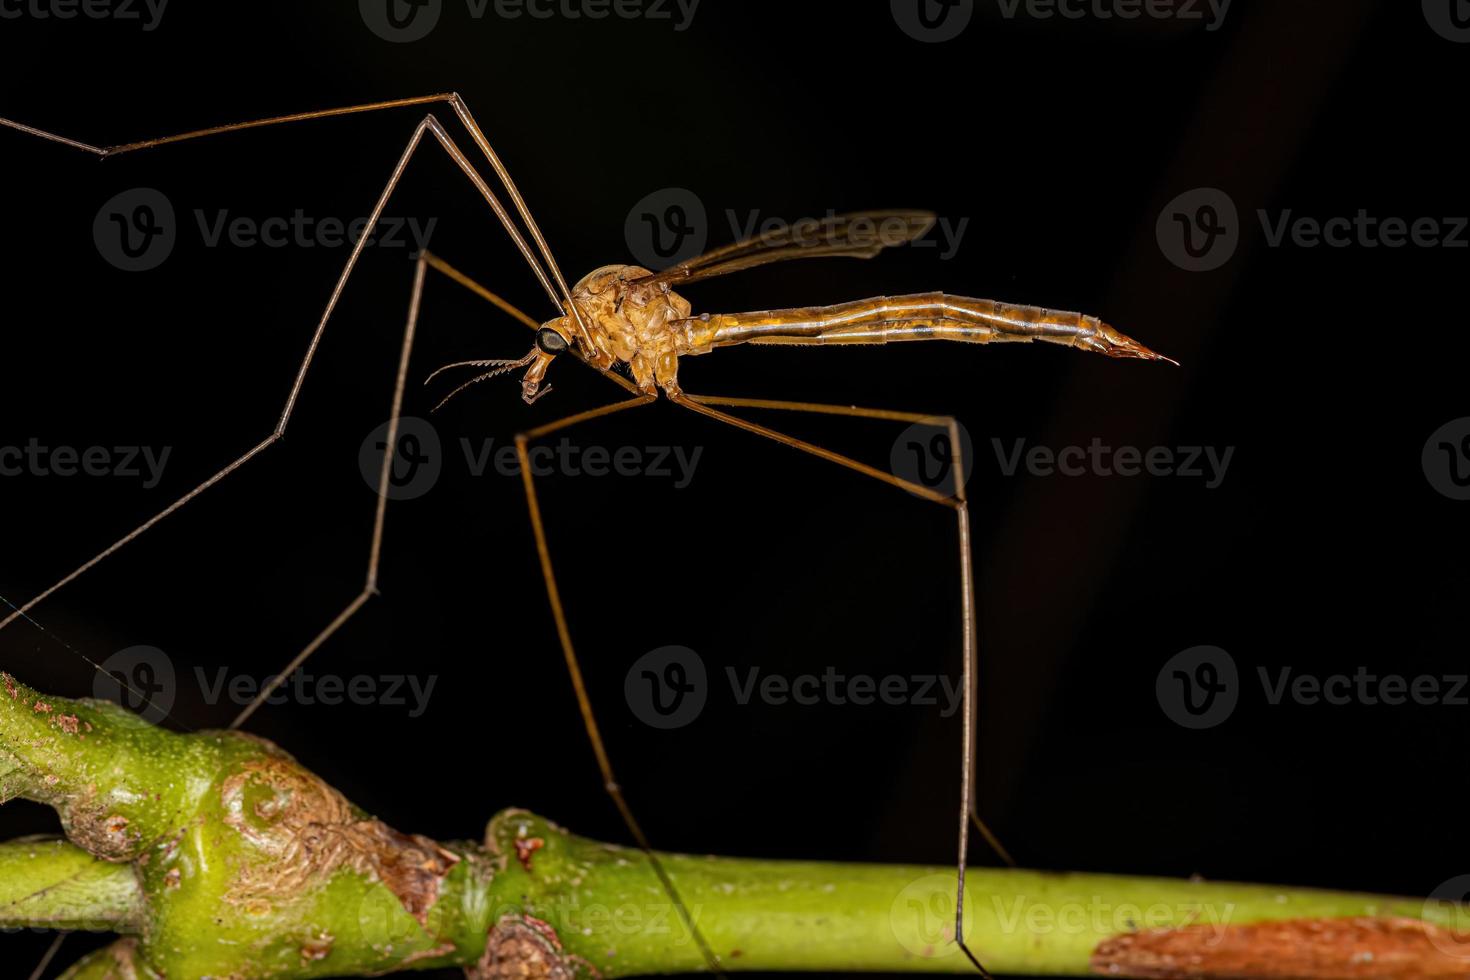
(638, 323)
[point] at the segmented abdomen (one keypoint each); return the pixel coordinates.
(889, 319)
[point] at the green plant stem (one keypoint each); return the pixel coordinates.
(52, 884)
(607, 909)
(215, 854)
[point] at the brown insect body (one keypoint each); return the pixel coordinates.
(634, 317)
(636, 320)
(625, 314)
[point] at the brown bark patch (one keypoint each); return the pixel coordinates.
(96, 830)
(525, 948)
(305, 831)
(317, 948)
(525, 847)
(1323, 949)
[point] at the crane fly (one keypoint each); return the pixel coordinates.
(630, 325)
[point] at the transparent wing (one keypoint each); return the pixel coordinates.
(859, 235)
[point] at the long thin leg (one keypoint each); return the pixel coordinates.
(958, 502)
(968, 810)
(450, 98)
(564, 634)
(49, 956)
(429, 124)
(375, 551)
(425, 261)
(461, 109)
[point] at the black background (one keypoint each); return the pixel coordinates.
(1326, 369)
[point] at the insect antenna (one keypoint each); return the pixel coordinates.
(499, 367)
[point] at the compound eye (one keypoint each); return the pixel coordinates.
(548, 341)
